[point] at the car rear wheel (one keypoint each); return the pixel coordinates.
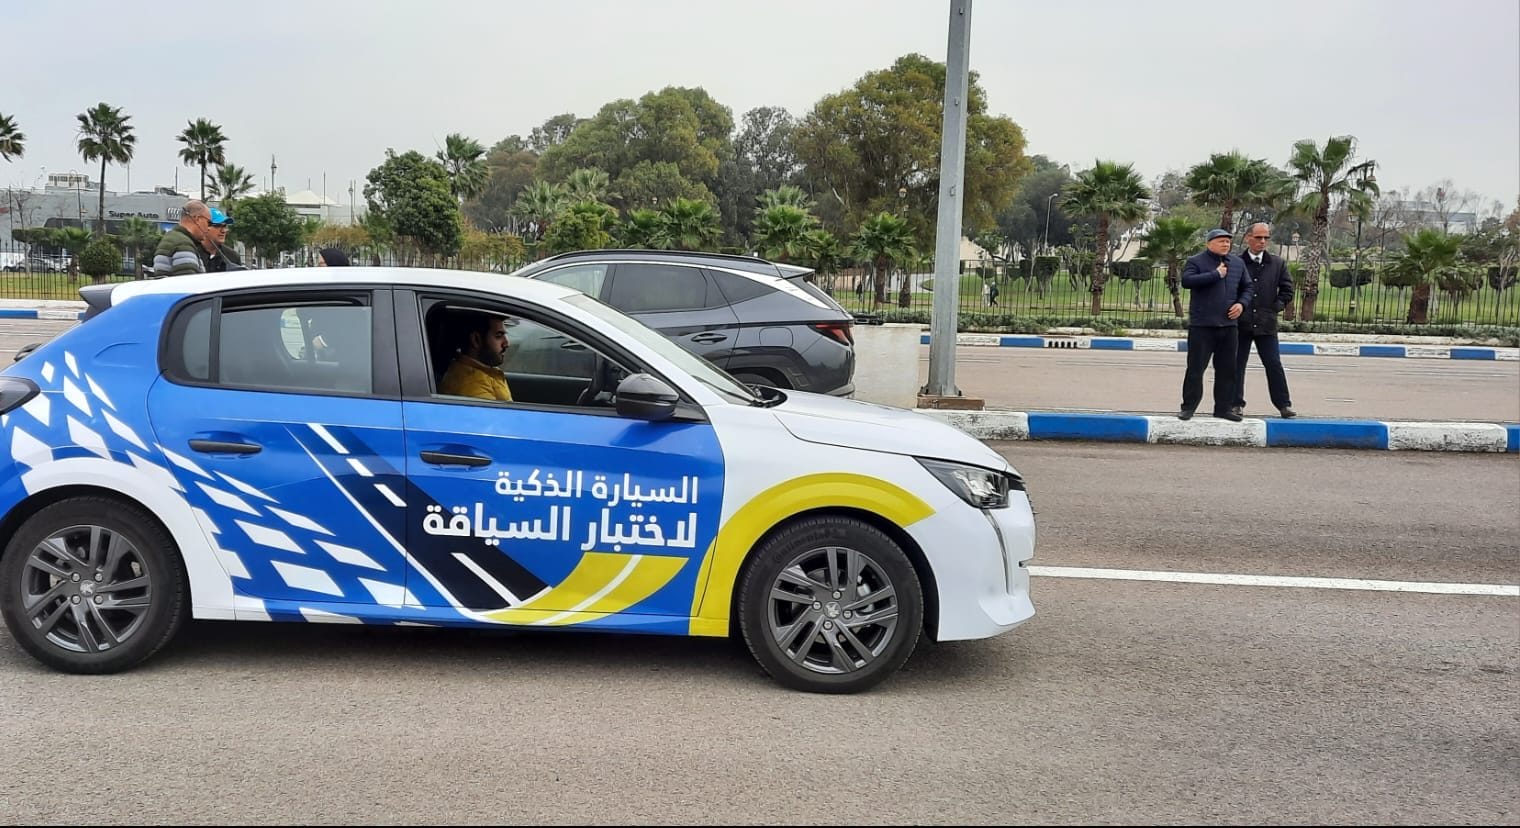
(830, 605)
(91, 585)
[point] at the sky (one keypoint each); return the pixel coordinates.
(1430, 89)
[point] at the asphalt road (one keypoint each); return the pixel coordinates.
(1321, 386)
(1121, 702)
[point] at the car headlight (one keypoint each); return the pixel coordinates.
(979, 487)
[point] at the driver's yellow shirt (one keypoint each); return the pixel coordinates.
(469, 377)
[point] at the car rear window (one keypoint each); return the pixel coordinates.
(738, 288)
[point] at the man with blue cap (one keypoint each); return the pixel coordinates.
(1220, 289)
(220, 257)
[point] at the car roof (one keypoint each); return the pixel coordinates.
(504, 285)
(750, 264)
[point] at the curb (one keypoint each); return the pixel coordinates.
(39, 313)
(1114, 343)
(1251, 432)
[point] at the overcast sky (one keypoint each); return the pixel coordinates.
(1431, 89)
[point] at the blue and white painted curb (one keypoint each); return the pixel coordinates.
(1208, 431)
(40, 313)
(1116, 343)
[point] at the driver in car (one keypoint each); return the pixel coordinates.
(476, 369)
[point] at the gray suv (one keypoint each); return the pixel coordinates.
(760, 321)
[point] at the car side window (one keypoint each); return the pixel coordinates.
(544, 364)
(316, 345)
(653, 287)
(586, 278)
(738, 288)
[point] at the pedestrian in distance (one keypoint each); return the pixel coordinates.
(1272, 290)
(1219, 289)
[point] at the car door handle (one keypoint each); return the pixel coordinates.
(443, 458)
(709, 337)
(225, 447)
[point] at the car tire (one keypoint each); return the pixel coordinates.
(92, 585)
(799, 620)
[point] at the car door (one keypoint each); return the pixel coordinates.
(539, 511)
(281, 415)
(679, 301)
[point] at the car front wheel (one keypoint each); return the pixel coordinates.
(830, 605)
(91, 585)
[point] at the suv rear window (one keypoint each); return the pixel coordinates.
(738, 288)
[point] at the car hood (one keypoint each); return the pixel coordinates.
(836, 421)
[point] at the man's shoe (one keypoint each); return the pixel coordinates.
(1233, 415)
(1287, 413)
(1239, 409)
(1185, 414)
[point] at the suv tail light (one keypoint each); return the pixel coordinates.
(838, 331)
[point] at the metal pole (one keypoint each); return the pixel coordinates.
(1047, 220)
(1356, 264)
(947, 234)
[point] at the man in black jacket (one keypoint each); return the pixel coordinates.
(1220, 290)
(1273, 291)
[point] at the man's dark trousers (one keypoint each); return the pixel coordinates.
(1206, 343)
(1271, 360)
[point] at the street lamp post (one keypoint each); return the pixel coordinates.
(1356, 253)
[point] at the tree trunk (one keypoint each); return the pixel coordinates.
(1174, 284)
(879, 282)
(1097, 278)
(1229, 216)
(904, 298)
(100, 217)
(1419, 305)
(203, 181)
(1313, 261)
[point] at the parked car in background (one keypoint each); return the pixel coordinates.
(760, 321)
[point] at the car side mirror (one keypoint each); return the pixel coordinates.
(644, 397)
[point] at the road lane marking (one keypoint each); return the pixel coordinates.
(1222, 579)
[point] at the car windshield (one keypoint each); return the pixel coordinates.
(700, 369)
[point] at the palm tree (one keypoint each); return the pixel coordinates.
(693, 224)
(1172, 240)
(1109, 190)
(105, 134)
(73, 240)
(464, 159)
(229, 184)
(1427, 254)
(12, 141)
(138, 234)
(787, 195)
(882, 240)
(539, 203)
(204, 145)
(1327, 177)
(780, 232)
(822, 252)
(1230, 180)
(589, 184)
(646, 228)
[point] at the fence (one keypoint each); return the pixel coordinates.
(34, 275)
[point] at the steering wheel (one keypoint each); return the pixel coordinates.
(599, 371)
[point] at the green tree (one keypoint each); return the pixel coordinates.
(860, 146)
(1110, 191)
(100, 259)
(538, 205)
(268, 225)
(1172, 240)
(466, 168)
(692, 224)
(1035, 220)
(781, 231)
(105, 135)
(786, 195)
(73, 240)
(205, 145)
(12, 141)
(646, 229)
(581, 227)
(588, 184)
(412, 193)
(230, 183)
(551, 133)
(885, 239)
(1230, 180)
(139, 234)
(509, 171)
(1428, 253)
(1328, 177)
(654, 184)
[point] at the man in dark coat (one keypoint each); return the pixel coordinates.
(1220, 290)
(1273, 290)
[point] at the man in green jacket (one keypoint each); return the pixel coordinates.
(182, 251)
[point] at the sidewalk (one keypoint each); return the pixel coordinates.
(40, 309)
(1252, 432)
(1357, 345)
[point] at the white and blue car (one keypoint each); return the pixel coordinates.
(272, 446)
